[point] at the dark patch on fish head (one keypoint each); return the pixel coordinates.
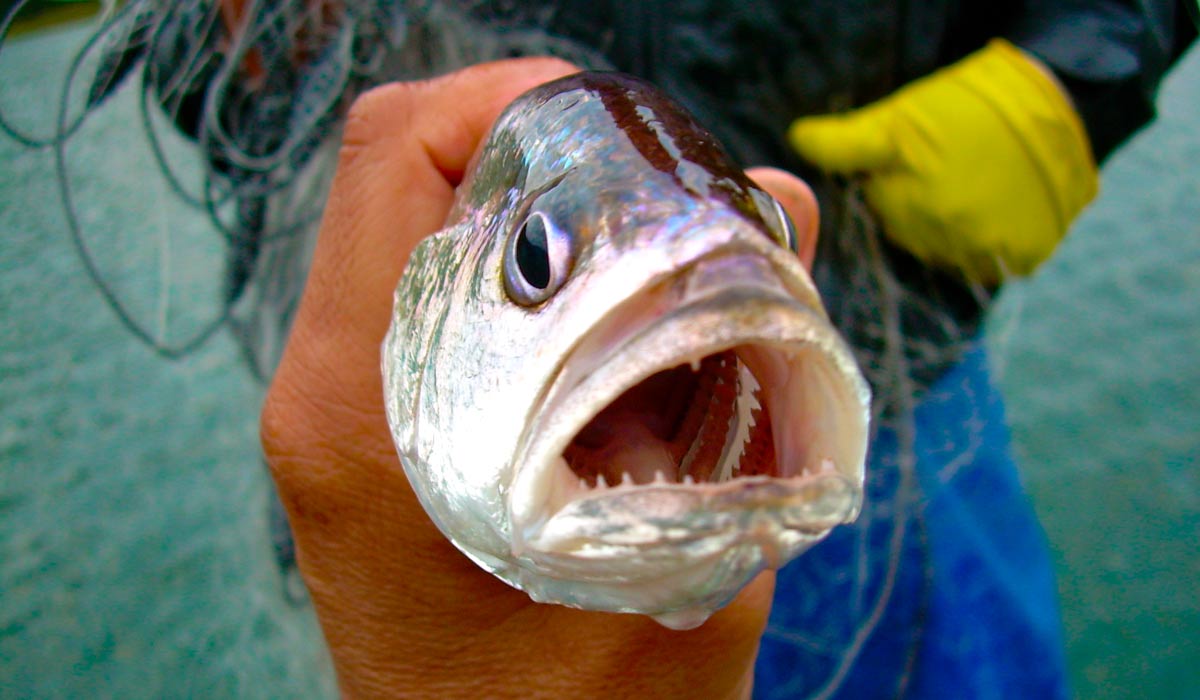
(672, 142)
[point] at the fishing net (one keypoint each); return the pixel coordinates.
(263, 107)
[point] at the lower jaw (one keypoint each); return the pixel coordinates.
(662, 520)
(686, 559)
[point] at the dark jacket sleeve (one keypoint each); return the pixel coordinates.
(1110, 55)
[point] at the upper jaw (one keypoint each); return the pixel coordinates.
(731, 298)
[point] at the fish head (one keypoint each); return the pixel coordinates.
(610, 379)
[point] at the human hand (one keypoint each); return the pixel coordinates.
(980, 167)
(405, 614)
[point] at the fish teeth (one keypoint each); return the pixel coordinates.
(695, 363)
(601, 482)
(739, 425)
(626, 479)
(659, 477)
(822, 466)
(688, 480)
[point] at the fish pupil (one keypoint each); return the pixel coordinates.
(533, 253)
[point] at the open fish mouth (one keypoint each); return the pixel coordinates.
(701, 423)
(716, 408)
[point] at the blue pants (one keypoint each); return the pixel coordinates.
(943, 587)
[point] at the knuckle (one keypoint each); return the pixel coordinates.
(282, 440)
(287, 442)
(539, 67)
(273, 424)
(554, 65)
(377, 113)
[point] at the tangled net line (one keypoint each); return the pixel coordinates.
(262, 140)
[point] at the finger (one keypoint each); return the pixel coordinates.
(857, 141)
(798, 201)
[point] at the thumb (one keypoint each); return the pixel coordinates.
(847, 143)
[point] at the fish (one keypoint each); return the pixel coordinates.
(609, 378)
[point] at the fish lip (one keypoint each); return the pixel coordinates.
(793, 318)
(654, 523)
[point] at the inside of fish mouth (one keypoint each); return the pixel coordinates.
(704, 421)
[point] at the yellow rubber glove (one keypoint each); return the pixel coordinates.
(979, 167)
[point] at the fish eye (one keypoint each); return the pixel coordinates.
(537, 260)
